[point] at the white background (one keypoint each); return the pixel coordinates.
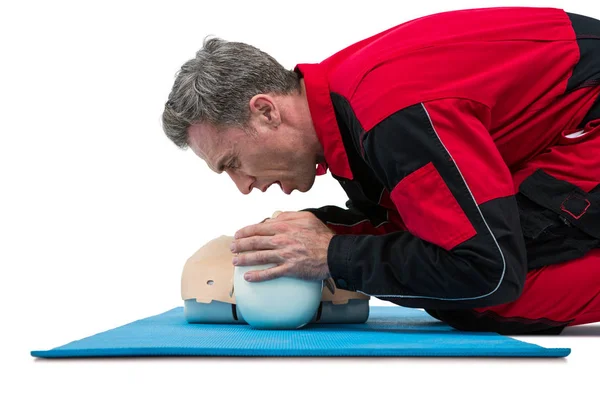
(99, 210)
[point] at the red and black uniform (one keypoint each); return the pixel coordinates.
(468, 143)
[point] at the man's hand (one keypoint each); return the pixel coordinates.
(296, 241)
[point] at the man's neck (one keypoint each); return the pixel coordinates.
(307, 126)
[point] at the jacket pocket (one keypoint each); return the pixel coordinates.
(560, 221)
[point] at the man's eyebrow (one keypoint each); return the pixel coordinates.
(220, 165)
(224, 161)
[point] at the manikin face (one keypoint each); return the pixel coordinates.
(258, 159)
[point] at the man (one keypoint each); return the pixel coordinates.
(468, 143)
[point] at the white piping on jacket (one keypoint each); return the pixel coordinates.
(484, 221)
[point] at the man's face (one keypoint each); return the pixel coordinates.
(258, 159)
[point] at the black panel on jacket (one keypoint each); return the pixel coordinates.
(406, 141)
(470, 270)
(592, 114)
(403, 264)
(337, 215)
(364, 191)
(587, 70)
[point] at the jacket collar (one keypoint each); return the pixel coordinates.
(324, 121)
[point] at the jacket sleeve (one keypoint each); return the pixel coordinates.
(351, 220)
(463, 247)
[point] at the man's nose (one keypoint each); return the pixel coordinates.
(242, 181)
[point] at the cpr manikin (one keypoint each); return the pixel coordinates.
(207, 288)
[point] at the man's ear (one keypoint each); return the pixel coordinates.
(264, 108)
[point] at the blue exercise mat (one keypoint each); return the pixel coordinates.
(389, 332)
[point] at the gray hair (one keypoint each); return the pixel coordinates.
(216, 86)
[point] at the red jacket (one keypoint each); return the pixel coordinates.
(426, 126)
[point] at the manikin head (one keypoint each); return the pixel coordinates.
(240, 111)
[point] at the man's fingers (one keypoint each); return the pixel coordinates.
(290, 215)
(262, 229)
(253, 243)
(258, 258)
(265, 274)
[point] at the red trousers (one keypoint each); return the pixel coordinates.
(558, 295)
